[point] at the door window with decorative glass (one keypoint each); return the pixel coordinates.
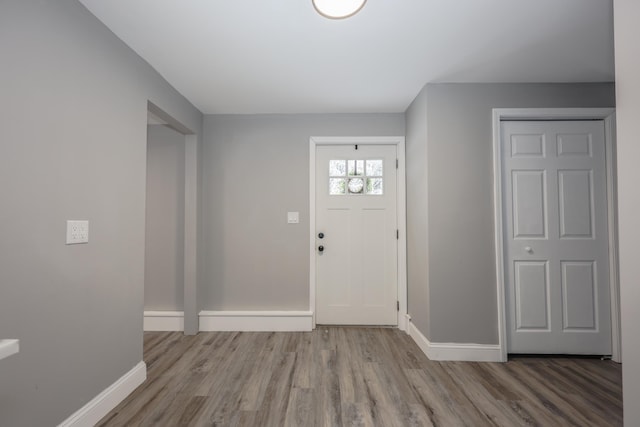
(356, 177)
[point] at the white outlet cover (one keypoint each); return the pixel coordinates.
(77, 232)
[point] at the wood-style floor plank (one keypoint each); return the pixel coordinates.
(343, 376)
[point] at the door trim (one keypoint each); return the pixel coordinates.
(399, 142)
(190, 226)
(608, 116)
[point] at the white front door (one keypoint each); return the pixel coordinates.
(356, 235)
(556, 237)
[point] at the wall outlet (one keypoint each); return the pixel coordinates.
(77, 232)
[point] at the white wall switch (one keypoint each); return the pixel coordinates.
(77, 232)
(293, 217)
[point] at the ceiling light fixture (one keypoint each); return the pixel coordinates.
(338, 9)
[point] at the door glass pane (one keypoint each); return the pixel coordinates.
(374, 186)
(374, 167)
(337, 167)
(356, 167)
(337, 186)
(356, 185)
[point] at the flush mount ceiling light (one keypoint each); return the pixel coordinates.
(338, 9)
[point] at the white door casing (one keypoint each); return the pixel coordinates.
(356, 257)
(556, 237)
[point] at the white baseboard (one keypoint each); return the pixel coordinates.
(102, 404)
(455, 351)
(164, 320)
(256, 321)
(403, 322)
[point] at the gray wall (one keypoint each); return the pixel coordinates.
(73, 122)
(627, 16)
(417, 213)
(164, 237)
(255, 169)
(462, 282)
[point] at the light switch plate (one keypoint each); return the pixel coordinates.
(77, 232)
(293, 217)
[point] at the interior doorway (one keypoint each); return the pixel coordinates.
(171, 225)
(164, 226)
(556, 231)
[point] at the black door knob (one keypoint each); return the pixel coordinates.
(321, 248)
(320, 235)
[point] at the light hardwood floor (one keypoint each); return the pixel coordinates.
(339, 376)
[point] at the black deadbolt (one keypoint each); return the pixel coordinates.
(321, 248)
(320, 235)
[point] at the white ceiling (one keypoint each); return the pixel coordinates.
(280, 56)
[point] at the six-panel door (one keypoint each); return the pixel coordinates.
(556, 237)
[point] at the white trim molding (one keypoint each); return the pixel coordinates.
(455, 351)
(102, 404)
(256, 321)
(608, 116)
(401, 195)
(161, 321)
